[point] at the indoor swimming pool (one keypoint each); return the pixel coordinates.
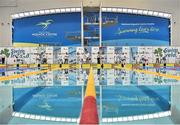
(81, 62)
(122, 95)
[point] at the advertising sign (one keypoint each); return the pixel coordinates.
(134, 30)
(54, 29)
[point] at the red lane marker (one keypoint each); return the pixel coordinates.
(89, 114)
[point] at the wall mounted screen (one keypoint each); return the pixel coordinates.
(134, 30)
(55, 29)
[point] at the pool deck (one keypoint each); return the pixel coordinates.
(164, 120)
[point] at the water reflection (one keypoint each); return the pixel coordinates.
(112, 101)
(109, 77)
(131, 100)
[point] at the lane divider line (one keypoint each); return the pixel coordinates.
(4, 78)
(158, 74)
(89, 112)
(169, 76)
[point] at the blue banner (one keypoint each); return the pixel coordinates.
(55, 29)
(135, 30)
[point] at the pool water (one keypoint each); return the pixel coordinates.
(78, 77)
(115, 101)
(49, 101)
(119, 92)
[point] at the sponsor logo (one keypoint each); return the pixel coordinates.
(45, 24)
(44, 33)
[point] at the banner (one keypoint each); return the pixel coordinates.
(54, 29)
(90, 55)
(42, 55)
(134, 30)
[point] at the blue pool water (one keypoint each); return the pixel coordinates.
(116, 101)
(129, 101)
(49, 101)
(119, 93)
